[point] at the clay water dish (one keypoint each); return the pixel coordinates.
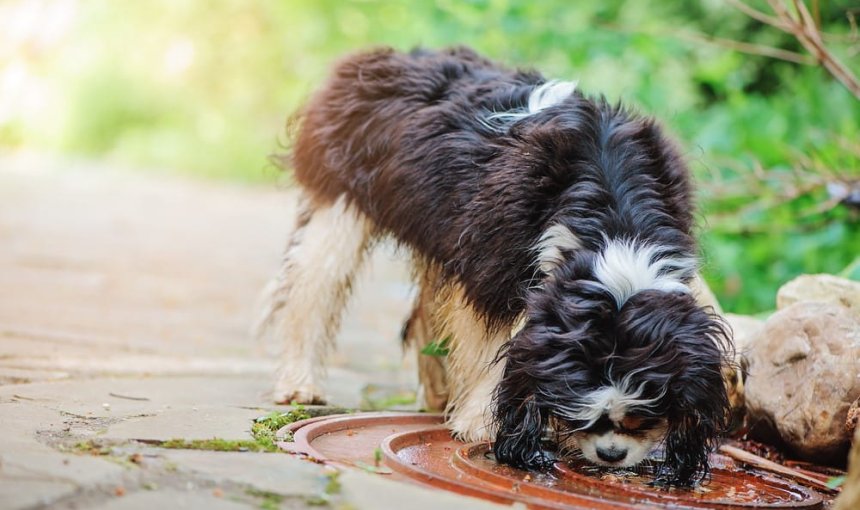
(418, 449)
(432, 457)
(296, 425)
(351, 439)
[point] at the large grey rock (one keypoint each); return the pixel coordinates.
(804, 373)
(822, 288)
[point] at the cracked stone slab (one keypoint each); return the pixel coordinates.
(272, 472)
(146, 500)
(118, 397)
(200, 422)
(21, 422)
(31, 472)
(367, 491)
(81, 471)
(18, 493)
(23, 375)
(137, 396)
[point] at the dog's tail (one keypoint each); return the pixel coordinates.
(266, 308)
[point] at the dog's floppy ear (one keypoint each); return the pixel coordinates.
(701, 410)
(519, 419)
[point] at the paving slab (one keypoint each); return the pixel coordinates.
(32, 473)
(138, 396)
(367, 491)
(18, 493)
(199, 422)
(271, 472)
(21, 424)
(194, 499)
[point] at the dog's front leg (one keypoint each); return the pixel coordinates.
(473, 373)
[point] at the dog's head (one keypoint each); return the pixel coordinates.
(614, 375)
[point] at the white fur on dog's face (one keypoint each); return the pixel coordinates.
(634, 437)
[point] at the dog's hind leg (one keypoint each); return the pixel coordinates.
(419, 331)
(327, 247)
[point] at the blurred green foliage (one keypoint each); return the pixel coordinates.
(205, 87)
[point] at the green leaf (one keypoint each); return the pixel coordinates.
(437, 348)
(380, 470)
(836, 482)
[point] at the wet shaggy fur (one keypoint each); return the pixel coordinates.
(420, 145)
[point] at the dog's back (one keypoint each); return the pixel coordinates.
(448, 153)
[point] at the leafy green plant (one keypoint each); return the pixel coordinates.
(440, 348)
(265, 427)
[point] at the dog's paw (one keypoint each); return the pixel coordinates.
(307, 394)
(470, 427)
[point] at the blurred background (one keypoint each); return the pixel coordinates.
(203, 88)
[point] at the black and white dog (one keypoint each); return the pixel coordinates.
(552, 238)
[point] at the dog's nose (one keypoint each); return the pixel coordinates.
(611, 454)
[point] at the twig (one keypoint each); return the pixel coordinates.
(743, 47)
(768, 465)
(803, 28)
(750, 48)
(141, 399)
(756, 14)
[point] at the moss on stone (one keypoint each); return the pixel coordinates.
(217, 445)
(265, 427)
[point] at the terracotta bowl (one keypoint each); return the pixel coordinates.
(419, 449)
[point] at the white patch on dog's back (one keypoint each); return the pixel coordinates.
(549, 94)
(551, 245)
(626, 267)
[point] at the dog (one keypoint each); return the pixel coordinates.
(551, 236)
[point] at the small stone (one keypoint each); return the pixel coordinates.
(823, 288)
(119, 491)
(744, 327)
(106, 406)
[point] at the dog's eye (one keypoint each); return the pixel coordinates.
(634, 423)
(631, 423)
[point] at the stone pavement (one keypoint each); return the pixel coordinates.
(125, 302)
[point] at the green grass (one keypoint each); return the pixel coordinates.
(331, 488)
(263, 430)
(217, 445)
(265, 427)
(268, 500)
